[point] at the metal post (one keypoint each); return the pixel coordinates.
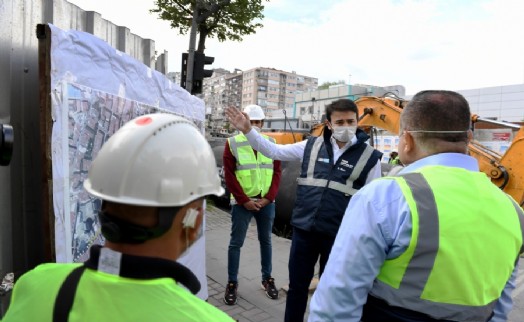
(191, 51)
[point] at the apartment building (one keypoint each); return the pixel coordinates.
(174, 77)
(223, 89)
(274, 90)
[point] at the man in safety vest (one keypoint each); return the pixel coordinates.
(394, 159)
(334, 166)
(437, 242)
(152, 176)
(252, 179)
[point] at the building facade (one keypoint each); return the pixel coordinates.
(221, 90)
(274, 90)
(175, 77)
(502, 103)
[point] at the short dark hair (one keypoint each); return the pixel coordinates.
(341, 105)
(437, 110)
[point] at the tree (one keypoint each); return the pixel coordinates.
(326, 85)
(223, 19)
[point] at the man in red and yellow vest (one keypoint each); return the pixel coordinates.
(253, 180)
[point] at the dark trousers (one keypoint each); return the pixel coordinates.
(376, 310)
(306, 247)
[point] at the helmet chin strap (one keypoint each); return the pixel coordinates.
(118, 230)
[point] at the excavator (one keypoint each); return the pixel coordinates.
(505, 171)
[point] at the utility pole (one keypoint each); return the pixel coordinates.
(191, 51)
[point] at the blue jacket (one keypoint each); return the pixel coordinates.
(325, 187)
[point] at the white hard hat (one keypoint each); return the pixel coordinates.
(158, 160)
(255, 112)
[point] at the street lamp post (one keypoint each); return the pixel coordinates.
(312, 105)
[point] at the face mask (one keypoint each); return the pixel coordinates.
(256, 128)
(344, 133)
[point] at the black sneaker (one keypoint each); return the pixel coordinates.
(269, 286)
(230, 298)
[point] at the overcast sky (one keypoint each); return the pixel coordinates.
(421, 44)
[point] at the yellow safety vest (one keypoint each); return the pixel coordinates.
(104, 297)
(254, 173)
(466, 238)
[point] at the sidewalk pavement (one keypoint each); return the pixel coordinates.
(253, 304)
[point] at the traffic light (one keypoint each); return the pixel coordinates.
(199, 73)
(183, 70)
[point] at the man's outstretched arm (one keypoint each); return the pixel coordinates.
(282, 152)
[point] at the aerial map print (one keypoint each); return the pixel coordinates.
(93, 118)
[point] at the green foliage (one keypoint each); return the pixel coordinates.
(223, 19)
(326, 85)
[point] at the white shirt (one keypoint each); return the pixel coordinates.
(295, 151)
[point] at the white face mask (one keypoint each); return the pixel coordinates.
(256, 128)
(344, 133)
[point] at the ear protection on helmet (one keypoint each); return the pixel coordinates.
(117, 230)
(189, 220)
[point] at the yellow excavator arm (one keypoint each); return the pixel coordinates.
(506, 171)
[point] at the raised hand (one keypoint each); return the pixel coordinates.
(238, 119)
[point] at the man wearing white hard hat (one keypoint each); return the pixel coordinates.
(152, 176)
(253, 180)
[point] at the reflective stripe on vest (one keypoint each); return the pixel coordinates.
(411, 292)
(254, 173)
(346, 188)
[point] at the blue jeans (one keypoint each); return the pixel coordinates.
(307, 247)
(240, 219)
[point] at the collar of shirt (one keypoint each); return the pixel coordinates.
(457, 160)
(337, 152)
